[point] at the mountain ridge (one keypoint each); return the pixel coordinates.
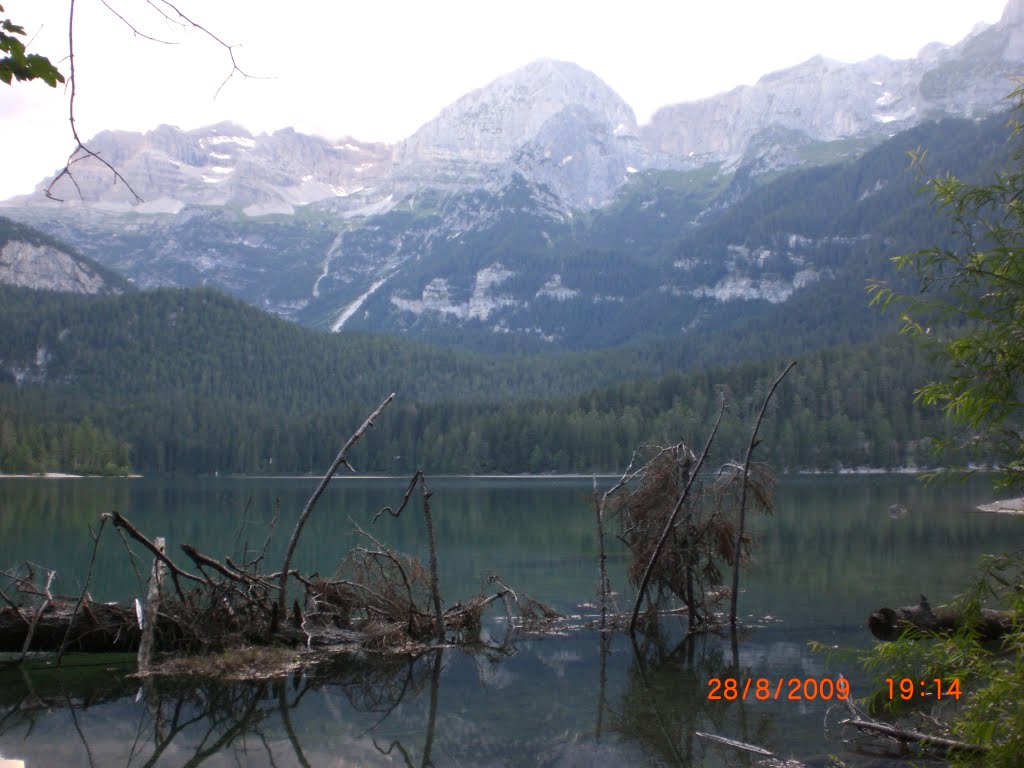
(557, 124)
(530, 214)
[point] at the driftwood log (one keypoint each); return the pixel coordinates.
(889, 623)
(96, 628)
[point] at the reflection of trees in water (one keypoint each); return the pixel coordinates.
(189, 721)
(665, 702)
(387, 710)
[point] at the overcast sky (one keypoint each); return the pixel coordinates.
(378, 70)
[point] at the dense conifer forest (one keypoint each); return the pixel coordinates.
(189, 381)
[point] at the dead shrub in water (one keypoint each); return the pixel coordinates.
(701, 535)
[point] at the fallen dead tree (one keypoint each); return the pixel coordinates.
(889, 623)
(378, 599)
(871, 731)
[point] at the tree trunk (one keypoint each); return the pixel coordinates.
(97, 628)
(888, 623)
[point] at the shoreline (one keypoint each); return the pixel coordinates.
(1004, 507)
(62, 476)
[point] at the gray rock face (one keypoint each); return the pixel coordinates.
(471, 219)
(556, 124)
(224, 165)
(48, 268)
(551, 121)
(826, 100)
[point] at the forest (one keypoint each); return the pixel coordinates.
(237, 412)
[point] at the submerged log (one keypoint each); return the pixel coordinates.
(96, 628)
(888, 623)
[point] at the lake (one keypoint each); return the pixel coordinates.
(829, 555)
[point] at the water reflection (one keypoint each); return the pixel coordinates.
(828, 557)
(560, 701)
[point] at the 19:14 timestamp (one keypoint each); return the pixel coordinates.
(907, 688)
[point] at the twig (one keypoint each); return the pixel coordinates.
(135, 30)
(241, 530)
(270, 532)
(6, 599)
(122, 522)
(915, 737)
(342, 458)
(32, 627)
(735, 744)
(229, 48)
(435, 590)
(80, 147)
(85, 588)
(743, 495)
(398, 564)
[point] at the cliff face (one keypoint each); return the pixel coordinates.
(550, 121)
(825, 100)
(48, 268)
(224, 165)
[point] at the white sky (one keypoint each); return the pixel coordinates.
(378, 69)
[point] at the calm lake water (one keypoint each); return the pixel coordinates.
(829, 555)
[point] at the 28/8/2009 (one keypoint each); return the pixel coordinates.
(786, 689)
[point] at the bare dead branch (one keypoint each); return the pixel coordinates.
(417, 476)
(35, 620)
(85, 587)
(908, 736)
(342, 458)
(80, 151)
(135, 30)
(435, 590)
(743, 494)
(753, 748)
(151, 611)
(122, 522)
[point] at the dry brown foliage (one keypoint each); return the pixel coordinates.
(703, 537)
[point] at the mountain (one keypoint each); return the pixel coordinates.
(31, 259)
(535, 214)
(551, 122)
(223, 165)
(677, 255)
(794, 111)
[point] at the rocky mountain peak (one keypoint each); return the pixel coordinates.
(1013, 13)
(552, 110)
(821, 100)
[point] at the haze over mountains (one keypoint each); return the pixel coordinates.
(534, 212)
